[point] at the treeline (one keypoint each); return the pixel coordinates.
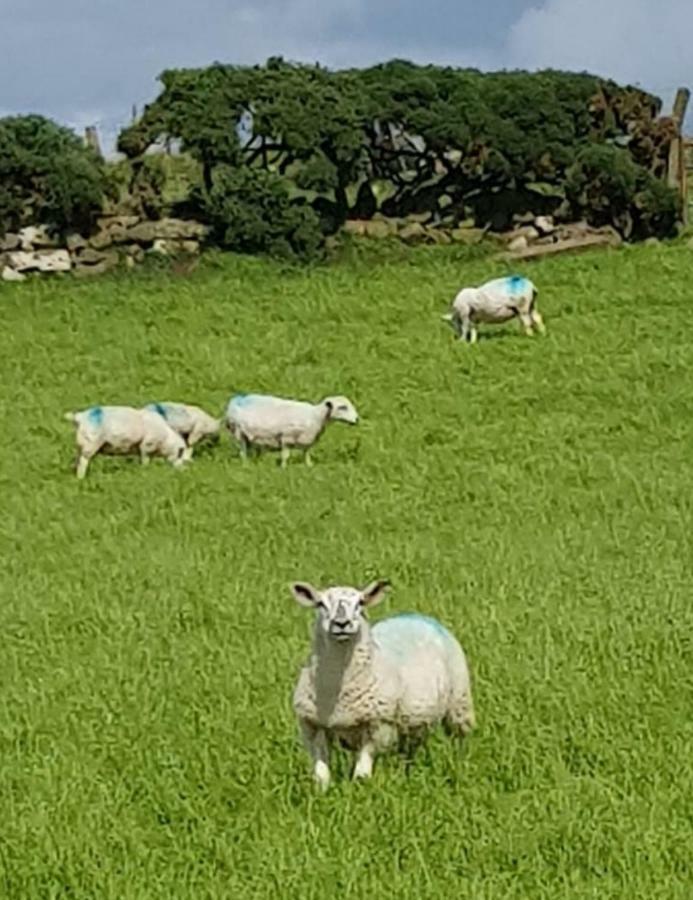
(286, 153)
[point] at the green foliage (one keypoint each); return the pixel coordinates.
(605, 186)
(251, 212)
(483, 141)
(536, 496)
(47, 175)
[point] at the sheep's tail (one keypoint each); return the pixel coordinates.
(70, 417)
(447, 317)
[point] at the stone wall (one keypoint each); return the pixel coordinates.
(117, 240)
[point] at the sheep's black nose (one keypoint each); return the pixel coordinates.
(340, 623)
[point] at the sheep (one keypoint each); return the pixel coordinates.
(276, 423)
(192, 423)
(493, 302)
(121, 430)
(376, 689)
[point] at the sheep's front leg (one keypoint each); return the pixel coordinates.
(364, 761)
(82, 465)
(306, 457)
(526, 319)
(286, 453)
(538, 322)
(144, 455)
(315, 741)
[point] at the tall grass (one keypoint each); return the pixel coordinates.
(535, 495)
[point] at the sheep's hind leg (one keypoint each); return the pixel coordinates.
(285, 454)
(461, 719)
(306, 457)
(315, 741)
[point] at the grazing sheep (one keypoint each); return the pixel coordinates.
(374, 689)
(121, 430)
(496, 301)
(274, 423)
(192, 423)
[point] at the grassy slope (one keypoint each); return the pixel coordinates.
(535, 495)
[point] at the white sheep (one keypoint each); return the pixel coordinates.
(262, 420)
(375, 689)
(494, 302)
(192, 423)
(120, 430)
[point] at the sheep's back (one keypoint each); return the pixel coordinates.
(430, 664)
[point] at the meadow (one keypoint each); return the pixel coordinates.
(534, 494)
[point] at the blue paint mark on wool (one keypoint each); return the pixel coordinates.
(241, 399)
(157, 408)
(516, 283)
(424, 620)
(95, 415)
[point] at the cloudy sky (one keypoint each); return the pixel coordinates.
(87, 61)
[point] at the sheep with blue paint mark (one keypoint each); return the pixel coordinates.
(116, 430)
(376, 689)
(494, 302)
(275, 423)
(192, 423)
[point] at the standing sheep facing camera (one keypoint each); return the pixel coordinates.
(192, 423)
(495, 302)
(122, 430)
(275, 423)
(374, 688)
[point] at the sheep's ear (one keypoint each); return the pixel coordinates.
(375, 592)
(305, 594)
(330, 405)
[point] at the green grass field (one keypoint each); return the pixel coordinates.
(534, 494)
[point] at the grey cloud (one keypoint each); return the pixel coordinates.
(85, 61)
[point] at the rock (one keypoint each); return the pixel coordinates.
(355, 226)
(10, 242)
(190, 246)
(91, 257)
(544, 224)
(135, 252)
(36, 237)
(467, 235)
(526, 231)
(438, 236)
(379, 229)
(130, 262)
(75, 242)
(167, 229)
(413, 233)
(9, 274)
(419, 218)
(23, 261)
(99, 268)
(652, 242)
(524, 218)
(101, 240)
(53, 261)
(162, 246)
(518, 243)
(105, 223)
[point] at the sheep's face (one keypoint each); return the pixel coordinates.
(341, 409)
(340, 610)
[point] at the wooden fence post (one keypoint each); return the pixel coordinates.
(676, 170)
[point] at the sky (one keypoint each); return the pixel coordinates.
(85, 62)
